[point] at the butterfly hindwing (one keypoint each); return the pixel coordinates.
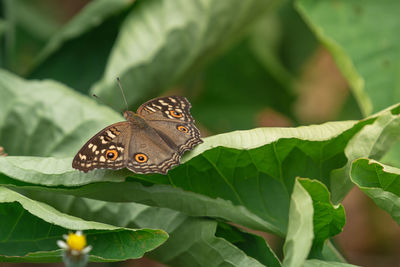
(107, 149)
(145, 157)
(183, 135)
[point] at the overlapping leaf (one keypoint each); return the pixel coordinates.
(191, 240)
(244, 176)
(29, 231)
(380, 182)
(300, 230)
(312, 220)
(328, 220)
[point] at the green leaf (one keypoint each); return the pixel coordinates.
(330, 252)
(89, 35)
(253, 245)
(161, 41)
(45, 118)
(161, 196)
(294, 30)
(372, 141)
(320, 263)
(328, 219)
(380, 182)
(3, 27)
(300, 234)
(33, 20)
(346, 27)
(392, 157)
(191, 241)
(29, 231)
(90, 17)
(223, 106)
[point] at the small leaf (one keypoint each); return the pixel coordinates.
(380, 182)
(328, 219)
(300, 234)
(253, 245)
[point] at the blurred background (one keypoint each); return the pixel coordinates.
(272, 71)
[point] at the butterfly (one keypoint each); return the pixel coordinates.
(152, 140)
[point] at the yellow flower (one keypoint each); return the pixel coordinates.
(76, 243)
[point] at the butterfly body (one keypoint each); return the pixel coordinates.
(149, 141)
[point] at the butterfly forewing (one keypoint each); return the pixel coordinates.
(169, 107)
(107, 149)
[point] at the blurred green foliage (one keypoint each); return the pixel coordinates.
(242, 65)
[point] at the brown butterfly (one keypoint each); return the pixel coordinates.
(152, 140)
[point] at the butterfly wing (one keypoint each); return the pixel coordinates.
(108, 149)
(176, 108)
(170, 133)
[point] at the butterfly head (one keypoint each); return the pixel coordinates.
(129, 115)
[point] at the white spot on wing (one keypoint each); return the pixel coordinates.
(110, 134)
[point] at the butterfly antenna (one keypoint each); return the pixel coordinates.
(122, 91)
(102, 102)
(98, 99)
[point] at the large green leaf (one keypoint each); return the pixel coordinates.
(89, 36)
(370, 64)
(161, 196)
(380, 182)
(29, 231)
(160, 41)
(191, 240)
(45, 118)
